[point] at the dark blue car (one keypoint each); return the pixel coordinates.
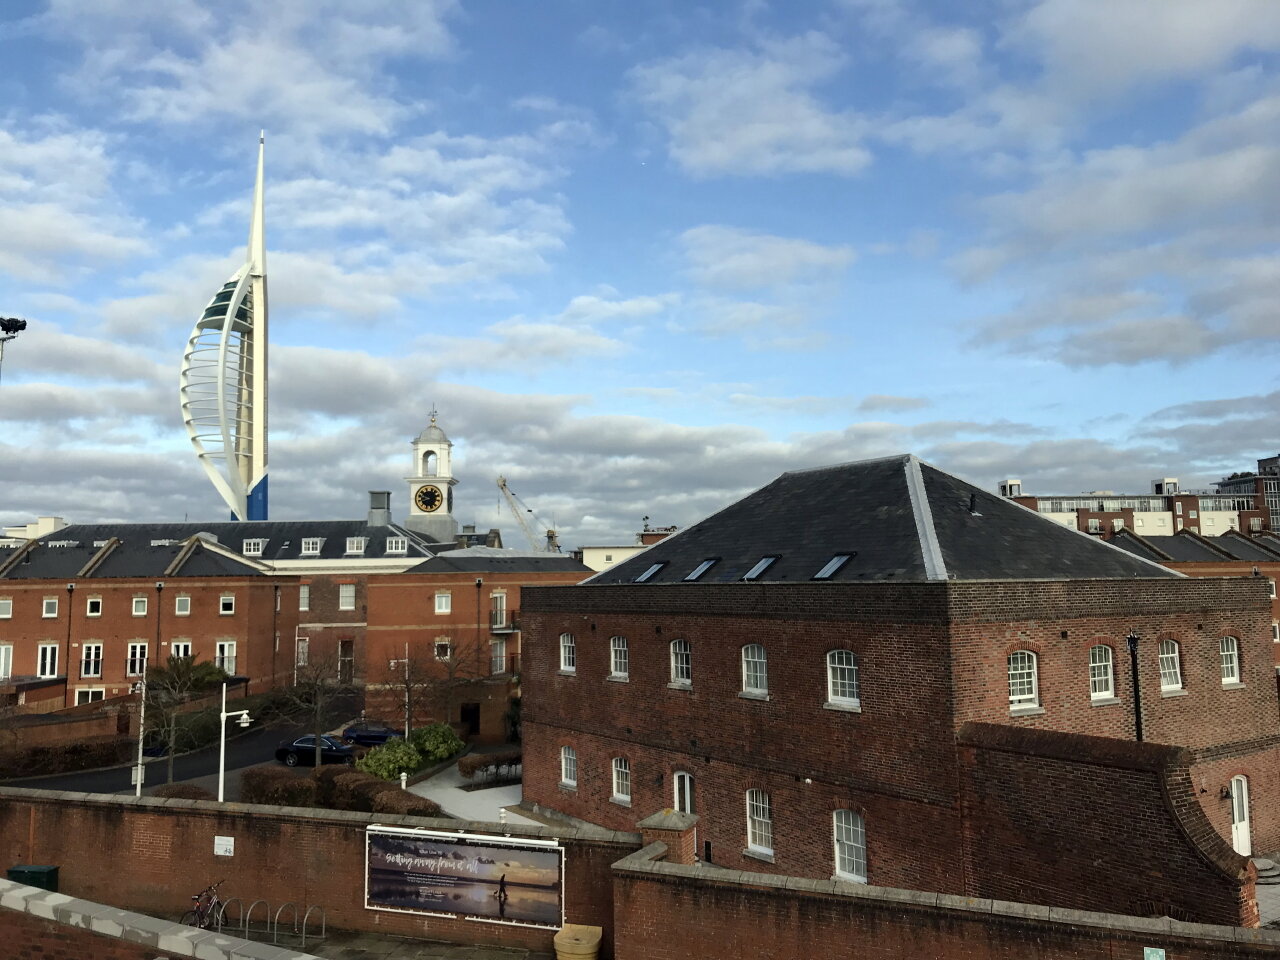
(366, 733)
(303, 751)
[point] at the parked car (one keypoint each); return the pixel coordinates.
(303, 751)
(366, 733)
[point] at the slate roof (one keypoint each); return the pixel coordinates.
(1187, 547)
(495, 560)
(125, 559)
(283, 537)
(897, 518)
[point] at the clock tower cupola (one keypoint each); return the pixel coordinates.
(431, 486)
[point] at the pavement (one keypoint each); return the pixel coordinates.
(1268, 897)
(493, 805)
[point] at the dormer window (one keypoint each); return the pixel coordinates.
(653, 568)
(701, 568)
(831, 567)
(355, 546)
(253, 548)
(763, 564)
(311, 546)
(397, 546)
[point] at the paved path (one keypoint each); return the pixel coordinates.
(445, 788)
(1268, 896)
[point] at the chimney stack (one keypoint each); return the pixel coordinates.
(379, 508)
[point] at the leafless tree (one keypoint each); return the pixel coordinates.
(169, 688)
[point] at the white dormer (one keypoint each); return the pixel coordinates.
(311, 546)
(355, 546)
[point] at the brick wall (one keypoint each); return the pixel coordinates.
(152, 855)
(35, 937)
(667, 911)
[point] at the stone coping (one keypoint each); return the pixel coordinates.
(648, 861)
(163, 936)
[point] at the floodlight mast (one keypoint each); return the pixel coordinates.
(223, 382)
(10, 327)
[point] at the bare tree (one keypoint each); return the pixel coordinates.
(318, 689)
(168, 689)
(425, 685)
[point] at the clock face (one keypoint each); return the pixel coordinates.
(428, 499)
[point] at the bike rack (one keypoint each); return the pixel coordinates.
(220, 918)
(307, 916)
(248, 917)
(275, 927)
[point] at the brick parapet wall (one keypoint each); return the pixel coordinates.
(726, 913)
(1094, 823)
(52, 926)
(151, 854)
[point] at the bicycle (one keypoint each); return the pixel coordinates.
(208, 908)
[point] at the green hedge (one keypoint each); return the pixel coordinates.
(277, 786)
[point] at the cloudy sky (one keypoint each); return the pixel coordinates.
(642, 257)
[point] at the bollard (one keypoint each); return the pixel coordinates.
(404, 781)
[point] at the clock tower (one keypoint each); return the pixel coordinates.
(431, 486)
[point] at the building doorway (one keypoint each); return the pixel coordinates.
(471, 719)
(346, 662)
(1240, 831)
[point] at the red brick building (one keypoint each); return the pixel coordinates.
(448, 634)
(798, 670)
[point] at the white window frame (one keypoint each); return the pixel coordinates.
(6, 661)
(1275, 631)
(6, 608)
(356, 545)
(304, 597)
(93, 606)
(180, 649)
(843, 686)
(681, 663)
(755, 670)
(1272, 584)
(182, 605)
(759, 822)
(346, 596)
(253, 547)
(497, 656)
(136, 662)
(47, 660)
(444, 650)
(1229, 658)
(568, 653)
(311, 546)
(1102, 672)
(444, 602)
(86, 695)
(1255, 524)
(302, 651)
(225, 656)
(621, 781)
(683, 800)
(1024, 680)
(397, 546)
(1170, 661)
(49, 608)
(226, 605)
(90, 660)
(849, 835)
(139, 606)
(568, 767)
(619, 659)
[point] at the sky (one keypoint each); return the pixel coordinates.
(641, 257)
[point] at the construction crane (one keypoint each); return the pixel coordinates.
(546, 544)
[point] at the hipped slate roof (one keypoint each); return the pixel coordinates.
(1188, 547)
(193, 557)
(496, 560)
(897, 518)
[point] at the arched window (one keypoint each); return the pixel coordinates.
(1170, 666)
(619, 659)
(568, 766)
(842, 678)
(568, 654)
(430, 464)
(851, 846)
(683, 783)
(1102, 679)
(681, 663)
(1229, 653)
(759, 822)
(1024, 684)
(622, 780)
(755, 670)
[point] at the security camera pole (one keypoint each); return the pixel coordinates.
(10, 327)
(244, 720)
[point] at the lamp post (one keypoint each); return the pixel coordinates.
(244, 721)
(141, 688)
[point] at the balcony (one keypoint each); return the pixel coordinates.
(504, 621)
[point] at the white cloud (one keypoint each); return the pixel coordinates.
(751, 113)
(879, 402)
(734, 259)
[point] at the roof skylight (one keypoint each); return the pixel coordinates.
(761, 566)
(654, 568)
(701, 568)
(835, 563)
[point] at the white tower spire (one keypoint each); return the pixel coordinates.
(223, 382)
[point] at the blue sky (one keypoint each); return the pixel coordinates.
(642, 257)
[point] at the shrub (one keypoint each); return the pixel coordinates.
(390, 759)
(276, 785)
(323, 777)
(355, 791)
(436, 742)
(182, 791)
(490, 764)
(404, 802)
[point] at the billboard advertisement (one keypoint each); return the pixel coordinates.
(475, 877)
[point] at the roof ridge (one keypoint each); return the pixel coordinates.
(845, 463)
(935, 567)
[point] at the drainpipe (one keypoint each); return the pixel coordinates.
(1132, 640)
(66, 667)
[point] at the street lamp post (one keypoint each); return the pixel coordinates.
(244, 721)
(140, 688)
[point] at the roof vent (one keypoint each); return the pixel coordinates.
(973, 504)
